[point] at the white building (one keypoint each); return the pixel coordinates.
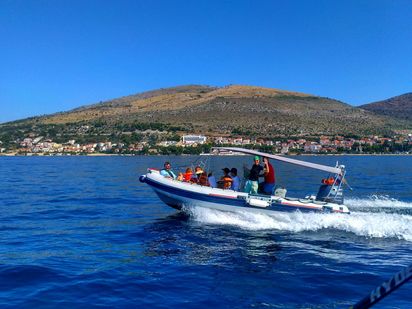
(194, 139)
(238, 141)
(167, 143)
(312, 147)
(284, 150)
(37, 139)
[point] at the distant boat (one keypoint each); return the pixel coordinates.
(181, 195)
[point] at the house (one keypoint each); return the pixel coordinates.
(237, 141)
(312, 147)
(37, 139)
(194, 139)
(284, 150)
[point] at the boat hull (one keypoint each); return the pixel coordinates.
(181, 195)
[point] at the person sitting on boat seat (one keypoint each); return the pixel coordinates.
(203, 180)
(212, 180)
(167, 171)
(187, 176)
(235, 179)
(197, 174)
(252, 184)
(225, 181)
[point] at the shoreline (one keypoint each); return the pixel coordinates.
(14, 154)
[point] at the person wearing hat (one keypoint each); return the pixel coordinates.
(196, 176)
(252, 184)
(225, 181)
(235, 179)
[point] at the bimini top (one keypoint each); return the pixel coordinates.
(330, 169)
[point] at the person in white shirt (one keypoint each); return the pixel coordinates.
(235, 179)
(212, 180)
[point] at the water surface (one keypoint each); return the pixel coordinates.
(83, 232)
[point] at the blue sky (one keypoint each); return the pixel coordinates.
(56, 55)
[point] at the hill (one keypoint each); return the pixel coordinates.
(398, 107)
(234, 109)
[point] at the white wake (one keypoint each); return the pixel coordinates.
(377, 202)
(362, 223)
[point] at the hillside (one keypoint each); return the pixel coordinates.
(243, 110)
(398, 107)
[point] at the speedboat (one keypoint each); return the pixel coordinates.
(185, 195)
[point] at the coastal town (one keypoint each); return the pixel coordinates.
(201, 144)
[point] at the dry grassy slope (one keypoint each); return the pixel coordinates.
(275, 114)
(246, 108)
(164, 100)
(399, 107)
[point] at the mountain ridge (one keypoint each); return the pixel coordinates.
(234, 108)
(399, 107)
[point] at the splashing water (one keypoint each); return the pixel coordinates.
(362, 223)
(378, 203)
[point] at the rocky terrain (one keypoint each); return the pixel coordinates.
(242, 110)
(399, 107)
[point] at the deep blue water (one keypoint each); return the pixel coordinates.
(82, 232)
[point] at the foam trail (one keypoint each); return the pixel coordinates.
(379, 225)
(379, 203)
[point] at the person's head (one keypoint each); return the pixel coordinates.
(233, 171)
(167, 165)
(226, 170)
(188, 170)
(265, 160)
(257, 160)
(198, 170)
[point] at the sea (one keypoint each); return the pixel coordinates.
(83, 232)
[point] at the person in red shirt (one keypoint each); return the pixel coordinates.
(269, 174)
(188, 175)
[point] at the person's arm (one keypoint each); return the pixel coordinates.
(264, 172)
(246, 171)
(266, 168)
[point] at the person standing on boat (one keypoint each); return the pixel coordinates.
(235, 179)
(167, 171)
(269, 174)
(252, 184)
